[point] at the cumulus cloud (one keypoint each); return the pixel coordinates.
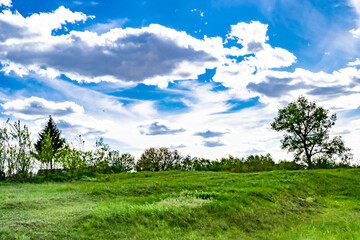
(40, 26)
(210, 134)
(151, 53)
(34, 107)
(250, 62)
(320, 86)
(157, 128)
(252, 36)
(6, 3)
(354, 63)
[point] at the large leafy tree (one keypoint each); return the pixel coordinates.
(49, 143)
(307, 128)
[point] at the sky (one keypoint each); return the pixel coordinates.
(204, 77)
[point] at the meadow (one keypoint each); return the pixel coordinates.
(305, 204)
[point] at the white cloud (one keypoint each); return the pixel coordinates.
(130, 54)
(252, 36)
(106, 27)
(6, 3)
(34, 107)
(40, 26)
(355, 32)
(356, 5)
(153, 53)
(354, 63)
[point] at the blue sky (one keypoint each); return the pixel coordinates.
(206, 77)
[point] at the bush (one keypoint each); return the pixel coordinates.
(256, 163)
(286, 165)
(158, 159)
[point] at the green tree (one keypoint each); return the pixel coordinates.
(46, 153)
(121, 162)
(71, 159)
(256, 163)
(100, 158)
(307, 130)
(158, 159)
(3, 150)
(50, 134)
(15, 150)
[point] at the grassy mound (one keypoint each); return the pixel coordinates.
(319, 204)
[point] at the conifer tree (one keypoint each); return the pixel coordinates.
(49, 134)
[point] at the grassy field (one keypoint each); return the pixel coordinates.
(319, 204)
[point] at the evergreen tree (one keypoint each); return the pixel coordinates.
(53, 133)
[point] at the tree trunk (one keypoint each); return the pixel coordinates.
(309, 162)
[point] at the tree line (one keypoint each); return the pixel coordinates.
(306, 128)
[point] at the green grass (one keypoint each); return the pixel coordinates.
(319, 204)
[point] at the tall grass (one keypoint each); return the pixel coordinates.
(316, 204)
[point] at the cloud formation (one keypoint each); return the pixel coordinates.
(253, 37)
(157, 128)
(354, 63)
(34, 107)
(210, 134)
(275, 87)
(6, 3)
(84, 128)
(319, 86)
(151, 53)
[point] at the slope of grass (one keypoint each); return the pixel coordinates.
(319, 204)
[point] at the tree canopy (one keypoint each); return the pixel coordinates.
(307, 130)
(49, 142)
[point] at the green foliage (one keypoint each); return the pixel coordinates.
(253, 163)
(121, 162)
(158, 159)
(286, 165)
(71, 159)
(256, 163)
(105, 160)
(16, 158)
(46, 153)
(307, 132)
(99, 159)
(318, 204)
(49, 143)
(16, 161)
(3, 151)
